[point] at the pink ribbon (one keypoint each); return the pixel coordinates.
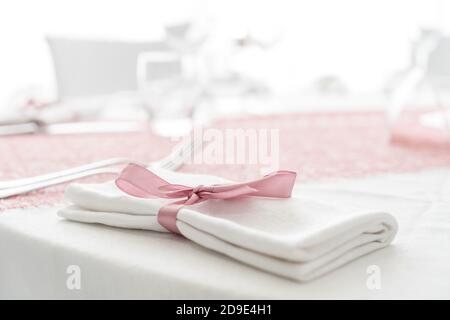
(141, 182)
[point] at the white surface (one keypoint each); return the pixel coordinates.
(296, 238)
(36, 247)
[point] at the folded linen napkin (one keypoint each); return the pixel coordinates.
(296, 238)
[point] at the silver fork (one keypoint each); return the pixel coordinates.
(172, 162)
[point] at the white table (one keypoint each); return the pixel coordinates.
(37, 247)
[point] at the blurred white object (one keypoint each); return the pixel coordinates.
(430, 65)
(88, 67)
(157, 66)
(178, 30)
(170, 95)
(186, 37)
(329, 85)
(437, 120)
(71, 127)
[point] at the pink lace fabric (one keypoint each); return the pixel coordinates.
(28, 155)
(334, 145)
(316, 145)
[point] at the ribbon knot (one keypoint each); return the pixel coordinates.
(195, 195)
(141, 182)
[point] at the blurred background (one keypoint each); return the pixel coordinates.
(177, 62)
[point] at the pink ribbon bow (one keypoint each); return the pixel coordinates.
(140, 182)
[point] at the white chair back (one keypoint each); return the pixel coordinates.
(87, 67)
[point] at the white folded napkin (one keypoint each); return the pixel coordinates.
(296, 238)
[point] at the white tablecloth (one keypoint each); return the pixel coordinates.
(37, 247)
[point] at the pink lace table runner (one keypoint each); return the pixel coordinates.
(316, 145)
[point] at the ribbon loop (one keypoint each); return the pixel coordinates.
(140, 182)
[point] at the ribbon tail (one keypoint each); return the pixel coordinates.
(275, 185)
(278, 184)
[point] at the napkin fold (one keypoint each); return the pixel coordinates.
(297, 238)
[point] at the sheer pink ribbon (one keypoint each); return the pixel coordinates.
(140, 182)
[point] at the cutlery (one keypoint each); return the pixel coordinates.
(173, 161)
(28, 127)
